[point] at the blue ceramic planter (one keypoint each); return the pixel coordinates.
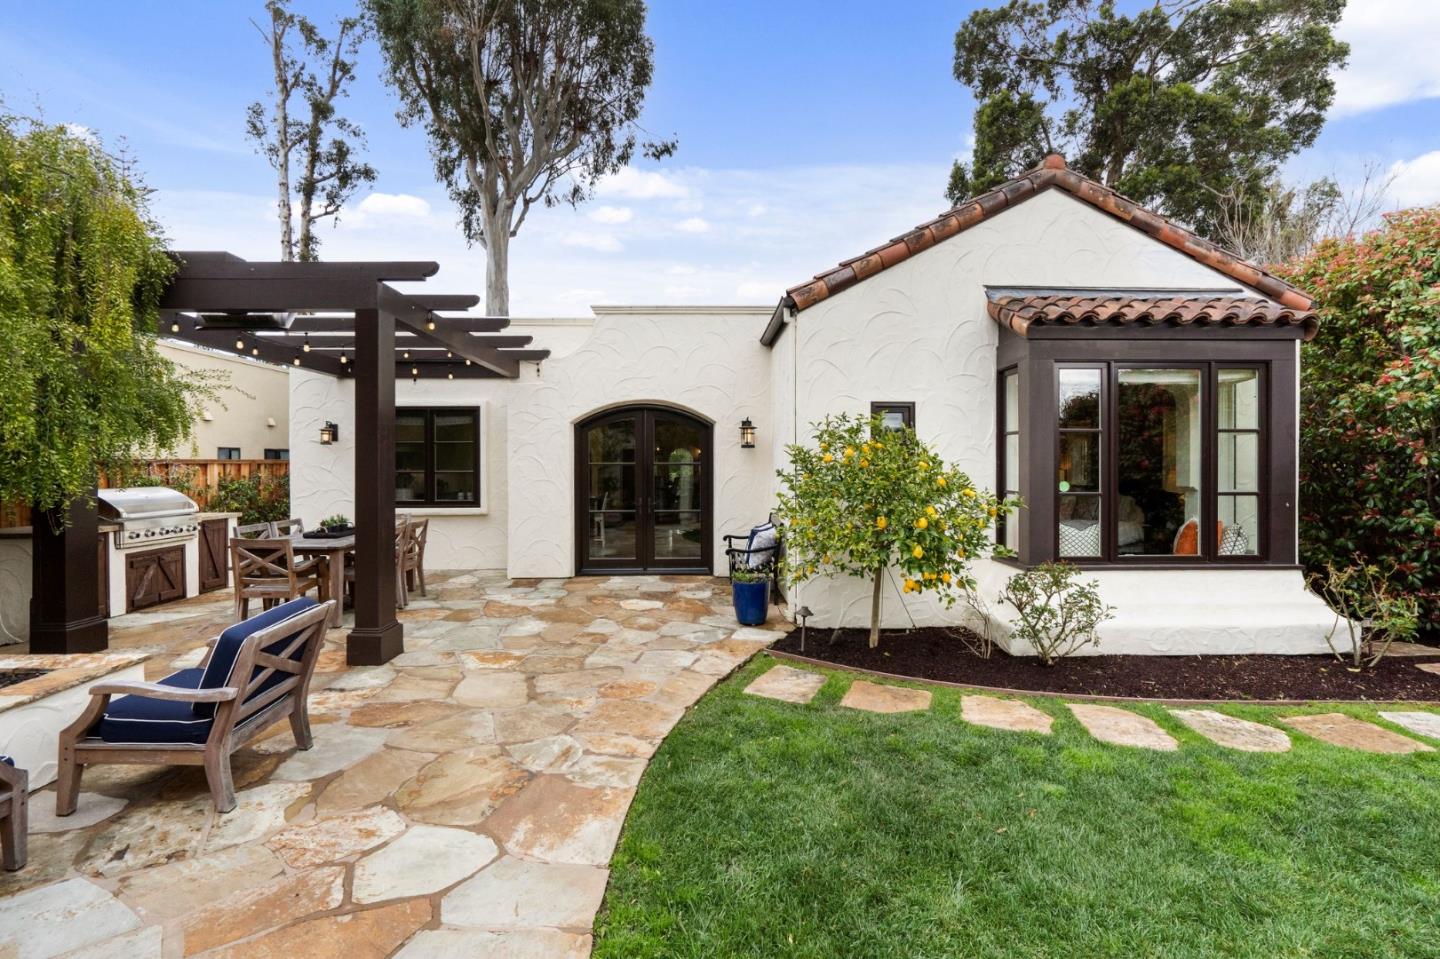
(752, 602)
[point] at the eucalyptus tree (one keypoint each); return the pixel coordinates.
(1175, 105)
(82, 268)
(313, 145)
(524, 102)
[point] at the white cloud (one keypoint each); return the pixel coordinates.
(634, 184)
(757, 209)
(81, 132)
(612, 214)
(1392, 54)
(1416, 182)
(600, 242)
(693, 224)
(393, 204)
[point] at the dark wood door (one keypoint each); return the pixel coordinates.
(213, 554)
(643, 492)
(154, 576)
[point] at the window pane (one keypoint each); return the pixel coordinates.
(613, 442)
(1079, 399)
(455, 456)
(677, 441)
(612, 534)
(677, 487)
(1012, 463)
(677, 534)
(1239, 456)
(1238, 401)
(893, 420)
(1079, 469)
(1159, 482)
(1012, 402)
(1079, 518)
(453, 486)
(454, 427)
(1239, 525)
(1012, 529)
(409, 487)
(612, 487)
(409, 428)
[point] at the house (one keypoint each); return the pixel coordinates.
(1133, 384)
(249, 419)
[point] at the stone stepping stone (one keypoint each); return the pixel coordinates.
(1426, 724)
(1009, 714)
(1120, 727)
(787, 684)
(1337, 729)
(1232, 732)
(873, 698)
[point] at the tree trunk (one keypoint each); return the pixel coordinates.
(497, 263)
(875, 608)
(282, 141)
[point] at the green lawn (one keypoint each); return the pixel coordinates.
(768, 829)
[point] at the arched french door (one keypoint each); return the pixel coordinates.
(643, 491)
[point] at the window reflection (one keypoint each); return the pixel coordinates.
(1160, 479)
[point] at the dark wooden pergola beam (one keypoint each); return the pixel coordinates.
(264, 348)
(469, 324)
(413, 341)
(426, 326)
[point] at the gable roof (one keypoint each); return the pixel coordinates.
(1020, 311)
(1051, 174)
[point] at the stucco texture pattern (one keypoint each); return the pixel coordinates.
(708, 365)
(919, 332)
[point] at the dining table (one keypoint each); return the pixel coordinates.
(335, 549)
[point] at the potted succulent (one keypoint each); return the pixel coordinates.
(337, 525)
(750, 592)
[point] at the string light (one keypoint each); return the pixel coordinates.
(344, 358)
(296, 361)
(240, 345)
(306, 347)
(407, 354)
(255, 351)
(430, 325)
(449, 376)
(174, 327)
(467, 362)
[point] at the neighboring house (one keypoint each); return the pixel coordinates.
(1133, 384)
(250, 419)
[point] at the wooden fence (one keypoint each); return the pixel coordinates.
(196, 478)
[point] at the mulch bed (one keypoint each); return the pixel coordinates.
(938, 653)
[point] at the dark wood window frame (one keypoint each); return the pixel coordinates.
(227, 453)
(277, 453)
(1003, 431)
(429, 500)
(905, 409)
(1274, 353)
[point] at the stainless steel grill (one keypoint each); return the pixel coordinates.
(148, 515)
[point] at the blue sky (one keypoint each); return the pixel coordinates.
(808, 132)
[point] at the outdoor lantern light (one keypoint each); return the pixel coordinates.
(329, 433)
(802, 614)
(747, 434)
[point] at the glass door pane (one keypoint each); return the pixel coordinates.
(1159, 470)
(611, 496)
(677, 491)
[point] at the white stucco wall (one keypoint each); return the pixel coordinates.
(707, 362)
(919, 332)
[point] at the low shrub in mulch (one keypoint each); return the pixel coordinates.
(941, 654)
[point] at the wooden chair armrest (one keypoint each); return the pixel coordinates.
(174, 694)
(12, 777)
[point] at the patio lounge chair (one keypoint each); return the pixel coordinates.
(256, 673)
(14, 814)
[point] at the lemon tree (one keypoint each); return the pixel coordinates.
(862, 499)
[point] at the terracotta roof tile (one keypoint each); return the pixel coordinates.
(1019, 311)
(1052, 174)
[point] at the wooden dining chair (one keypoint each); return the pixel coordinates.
(287, 527)
(267, 570)
(255, 531)
(413, 565)
(402, 534)
(14, 814)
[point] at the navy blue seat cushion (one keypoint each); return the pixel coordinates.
(136, 719)
(7, 760)
(227, 648)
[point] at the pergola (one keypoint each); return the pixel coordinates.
(345, 320)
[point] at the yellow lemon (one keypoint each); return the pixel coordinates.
(881, 522)
(930, 510)
(940, 481)
(929, 575)
(992, 511)
(864, 462)
(864, 447)
(944, 577)
(921, 523)
(849, 451)
(829, 457)
(924, 464)
(917, 552)
(969, 493)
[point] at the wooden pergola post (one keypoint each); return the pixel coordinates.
(377, 637)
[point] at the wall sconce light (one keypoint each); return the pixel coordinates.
(329, 433)
(747, 434)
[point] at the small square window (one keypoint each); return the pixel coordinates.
(277, 454)
(228, 453)
(894, 416)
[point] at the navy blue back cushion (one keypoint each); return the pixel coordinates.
(135, 719)
(227, 648)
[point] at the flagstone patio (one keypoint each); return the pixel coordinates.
(463, 799)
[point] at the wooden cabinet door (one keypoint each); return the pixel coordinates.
(213, 550)
(153, 577)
